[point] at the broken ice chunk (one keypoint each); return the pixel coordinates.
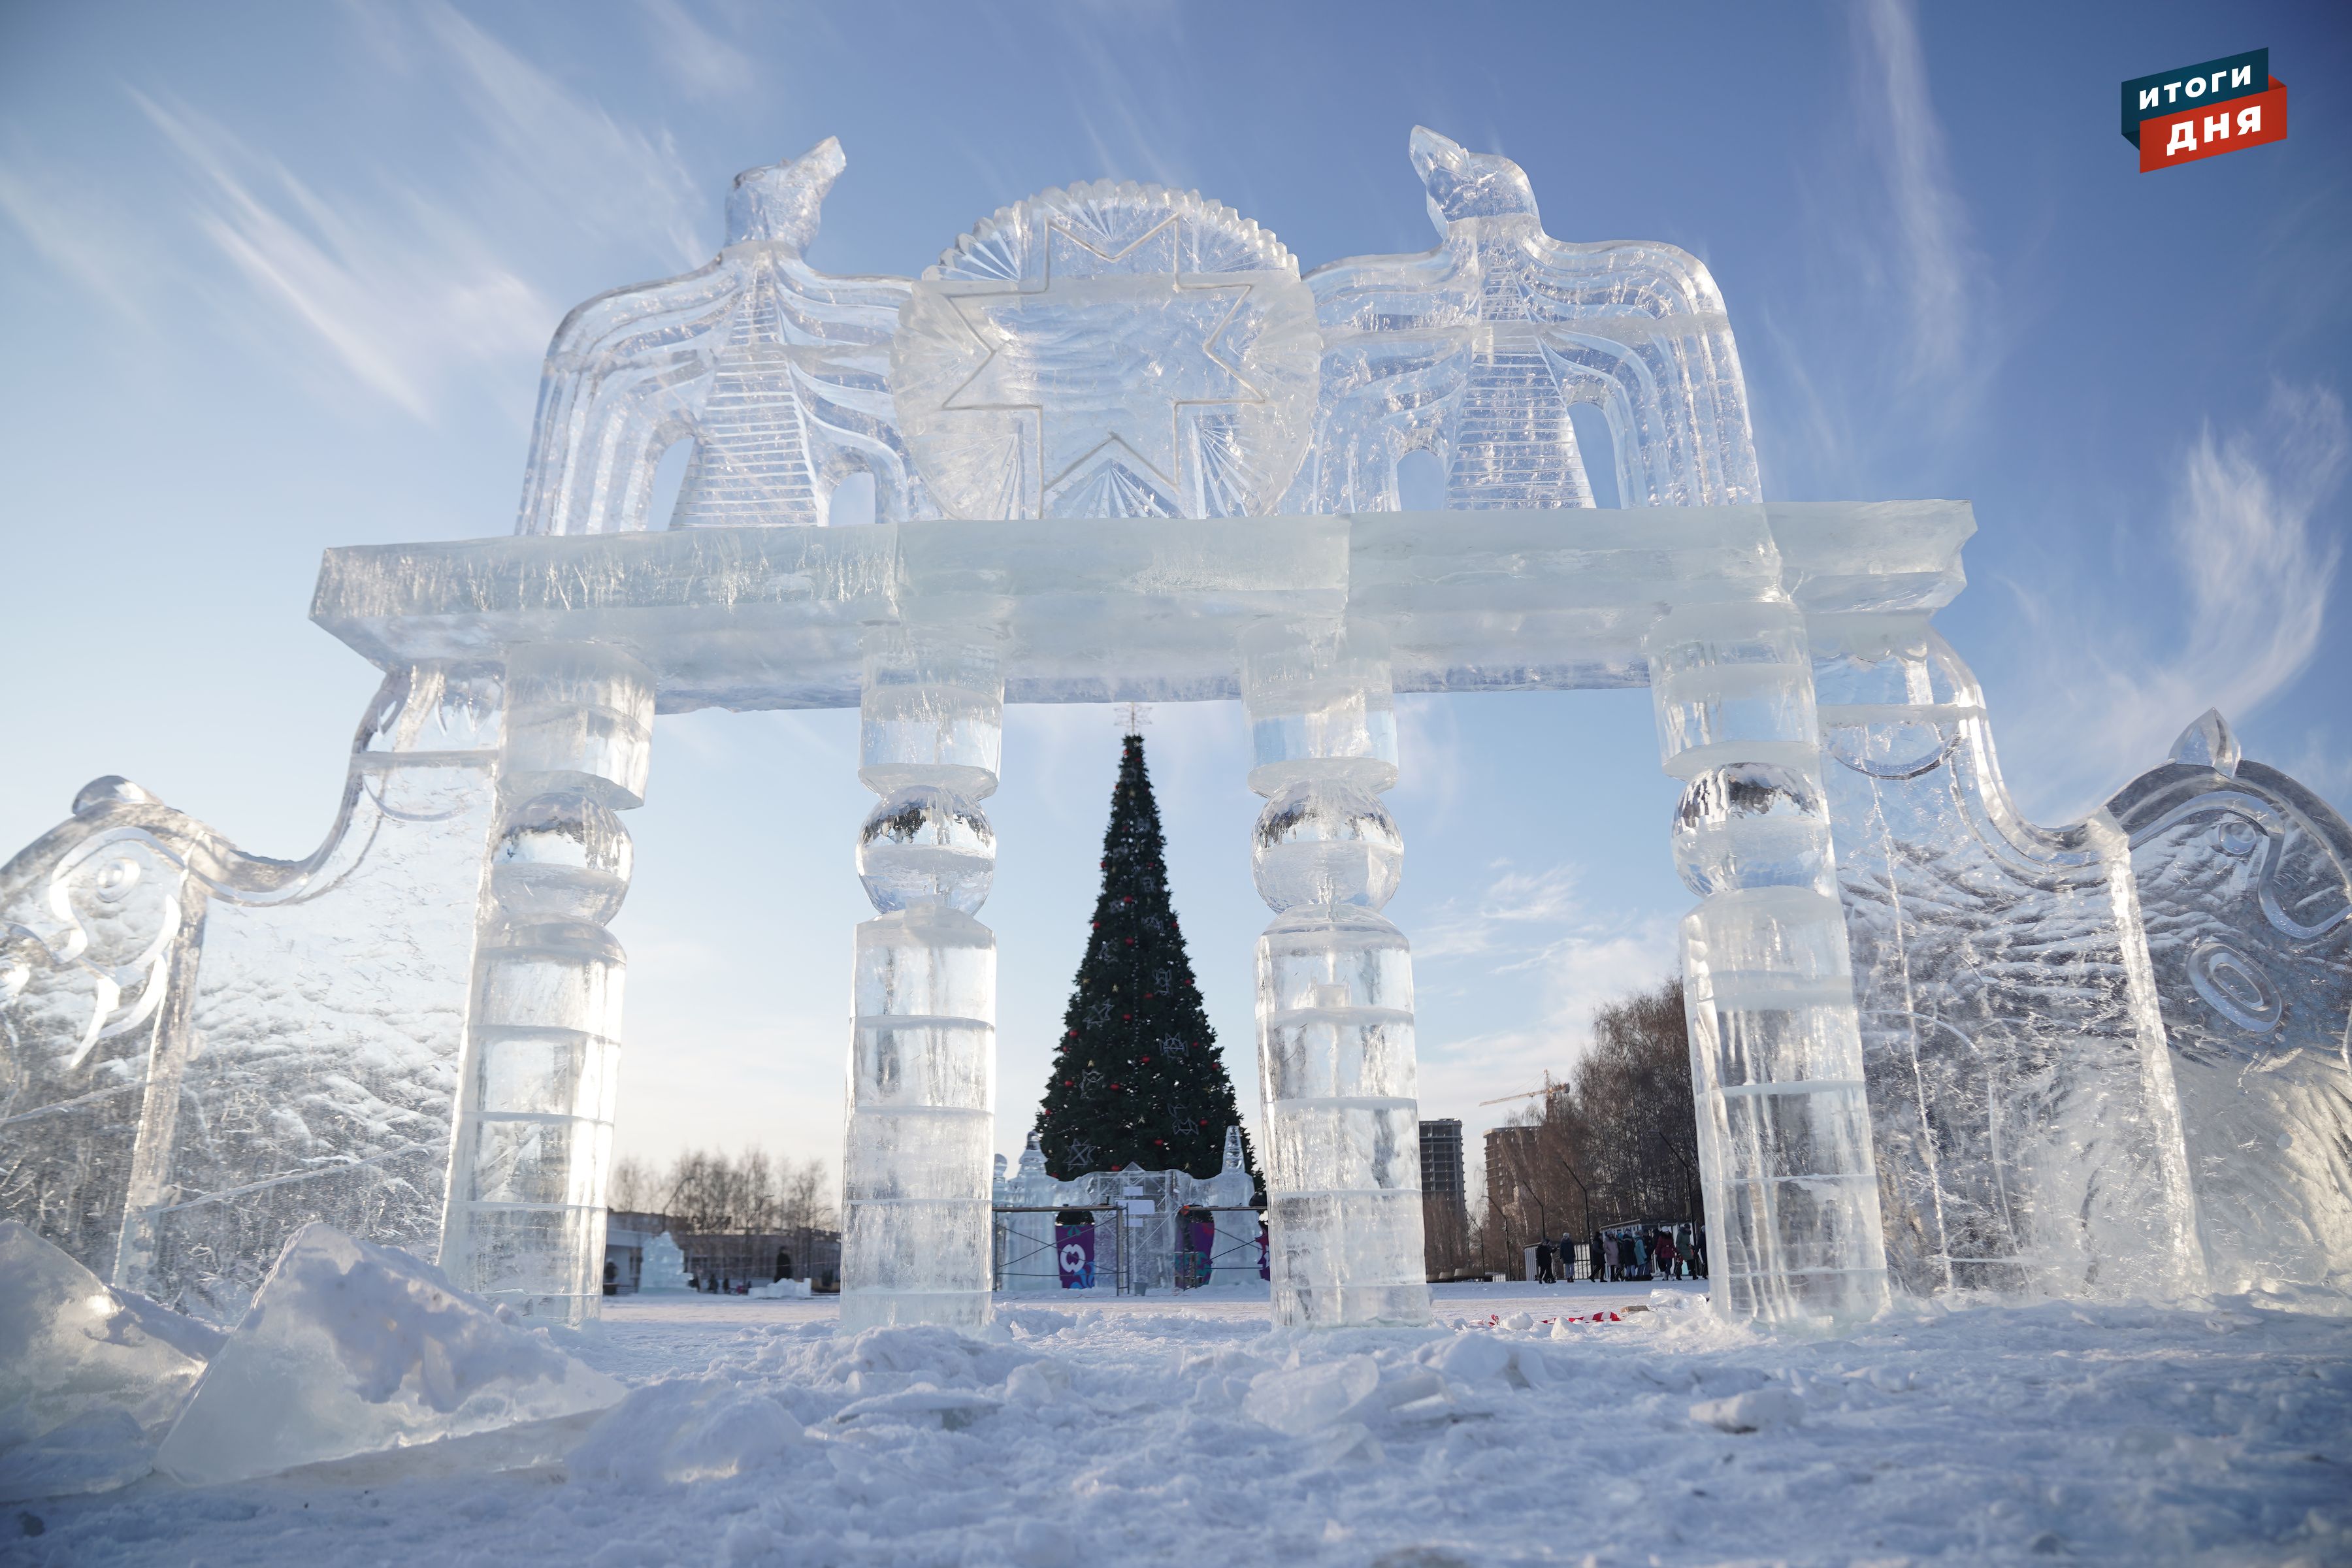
(87, 1377)
(353, 1349)
(1303, 1399)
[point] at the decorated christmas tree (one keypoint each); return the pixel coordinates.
(1137, 1076)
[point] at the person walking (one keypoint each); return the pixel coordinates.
(1543, 1263)
(1667, 1255)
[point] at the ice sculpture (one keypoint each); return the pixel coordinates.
(777, 373)
(922, 1056)
(664, 1267)
(1336, 1063)
(87, 1377)
(1146, 1205)
(532, 1141)
(1171, 467)
(2246, 888)
(1108, 350)
(1025, 1201)
(1474, 352)
(206, 1049)
(352, 1349)
(2028, 1135)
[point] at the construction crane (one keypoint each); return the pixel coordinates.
(1545, 1092)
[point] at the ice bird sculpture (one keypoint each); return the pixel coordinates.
(778, 374)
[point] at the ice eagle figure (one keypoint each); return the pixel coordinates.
(1475, 353)
(776, 371)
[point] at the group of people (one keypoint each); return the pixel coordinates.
(1629, 1252)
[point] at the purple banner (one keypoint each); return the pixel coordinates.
(1074, 1249)
(1200, 1245)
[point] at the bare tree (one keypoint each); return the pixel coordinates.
(1617, 1143)
(632, 1184)
(743, 1216)
(1444, 1237)
(805, 1196)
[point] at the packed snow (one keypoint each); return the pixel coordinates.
(1578, 1423)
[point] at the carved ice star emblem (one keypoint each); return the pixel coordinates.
(1103, 361)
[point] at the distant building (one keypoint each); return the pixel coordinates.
(753, 1256)
(1441, 1161)
(1510, 1164)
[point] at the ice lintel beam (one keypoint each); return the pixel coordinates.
(1107, 610)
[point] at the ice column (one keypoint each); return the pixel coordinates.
(1334, 983)
(534, 1138)
(922, 1058)
(1775, 1051)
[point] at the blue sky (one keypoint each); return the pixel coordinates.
(279, 279)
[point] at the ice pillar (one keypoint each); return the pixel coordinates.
(533, 1143)
(1775, 1051)
(1334, 983)
(916, 1170)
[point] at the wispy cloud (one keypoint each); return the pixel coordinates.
(553, 157)
(398, 295)
(2257, 560)
(1935, 267)
(693, 57)
(78, 231)
(392, 290)
(1539, 928)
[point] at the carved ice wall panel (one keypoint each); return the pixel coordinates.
(2245, 892)
(209, 1049)
(2027, 1132)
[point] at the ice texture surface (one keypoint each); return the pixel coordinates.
(2028, 1132)
(776, 371)
(1474, 353)
(355, 1349)
(208, 1050)
(2245, 890)
(1108, 350)
(89, 1377)
(926, 845)
(1326, 842)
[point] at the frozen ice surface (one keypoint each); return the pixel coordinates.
(1326, 842)
(89, 1377)
(1342, 1120)
(1108, 350)
(2022, 1104)
(776, 371)
(213, 1048)
(926, 845)
(1475, 351)
(922, 1098)
(2246, 888)
(352, 1348)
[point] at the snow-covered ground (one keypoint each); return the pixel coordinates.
(1187, 1431)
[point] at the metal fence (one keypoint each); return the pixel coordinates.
(1134, 1254)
